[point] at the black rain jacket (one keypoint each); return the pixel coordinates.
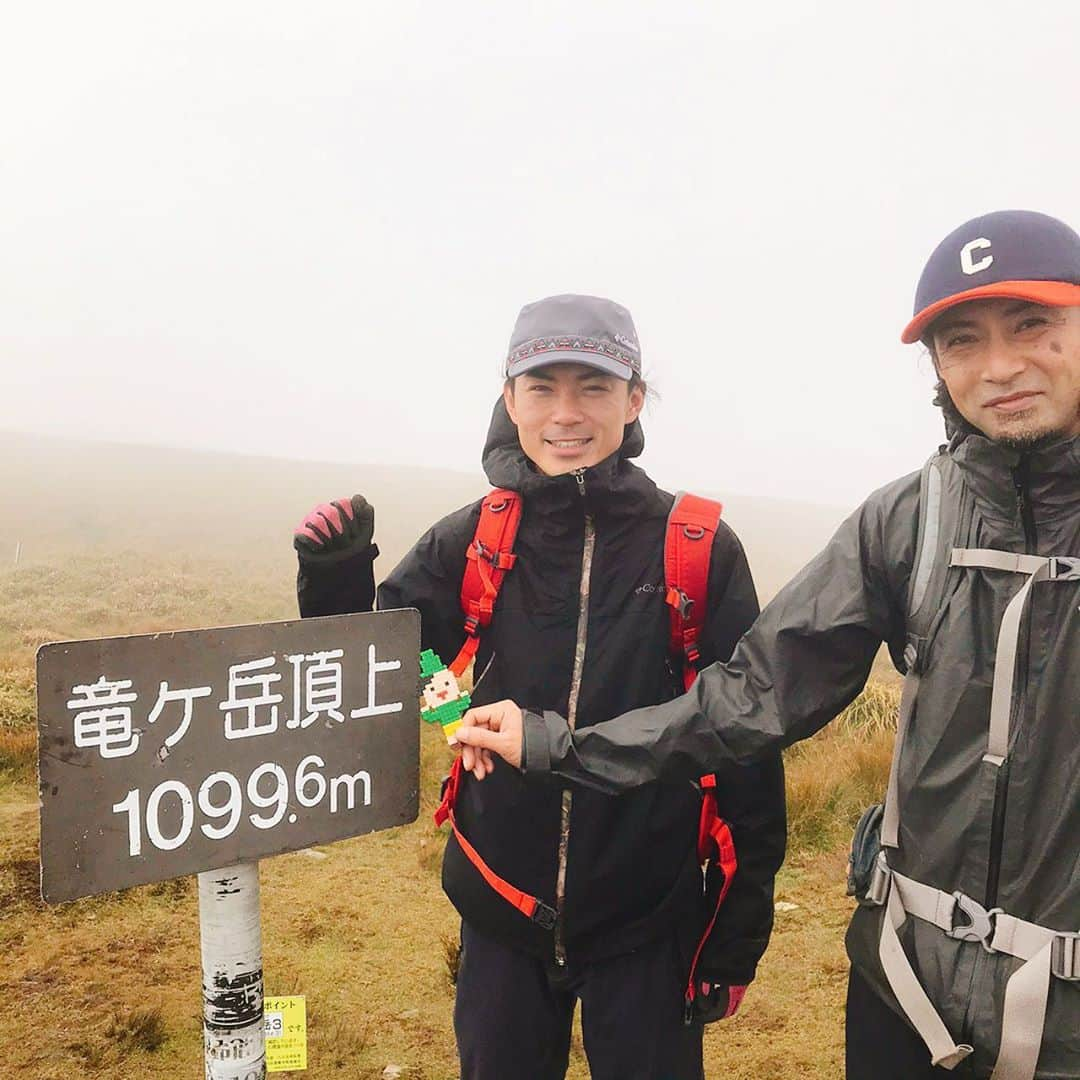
(631, 863)
(1013, 841)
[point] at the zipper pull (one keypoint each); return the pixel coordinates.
(579, 476)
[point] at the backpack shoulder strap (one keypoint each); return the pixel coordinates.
(488, 558)
(945, 516)
(688, 544)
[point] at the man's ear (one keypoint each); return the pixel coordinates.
(635, 403)
(508, 399)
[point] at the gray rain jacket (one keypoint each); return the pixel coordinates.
(1005, 837)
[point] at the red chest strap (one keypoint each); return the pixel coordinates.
(528, 905)
(488, 558)
(688, 544)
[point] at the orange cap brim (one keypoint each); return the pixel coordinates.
(1051, 293)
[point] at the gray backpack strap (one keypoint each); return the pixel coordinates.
(944, 512)
(943, 509)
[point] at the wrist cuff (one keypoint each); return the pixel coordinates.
(535, 756)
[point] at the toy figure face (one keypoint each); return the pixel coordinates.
(441, 688)
(570, 416)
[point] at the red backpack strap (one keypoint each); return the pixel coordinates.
(529, 906)
(489, 557)
(715, 846)
(688, 544)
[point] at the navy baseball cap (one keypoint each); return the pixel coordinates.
(1017, 254)
(573, 329)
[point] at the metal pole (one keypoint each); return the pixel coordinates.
(18, 551)
(232, 976)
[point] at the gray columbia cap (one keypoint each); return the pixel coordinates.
(572, 329)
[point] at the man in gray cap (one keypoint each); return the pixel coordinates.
(574, 896)
(965, 948)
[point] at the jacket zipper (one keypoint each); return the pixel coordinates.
(571, 716)
(1001, 784)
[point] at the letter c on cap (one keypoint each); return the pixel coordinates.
(969, 265)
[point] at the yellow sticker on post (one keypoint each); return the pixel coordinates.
(285, 1024)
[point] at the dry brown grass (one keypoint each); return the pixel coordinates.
(834, 776)
(108, 987)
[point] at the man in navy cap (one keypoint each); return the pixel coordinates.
(965, 947)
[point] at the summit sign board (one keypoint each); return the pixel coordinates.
(169, 754)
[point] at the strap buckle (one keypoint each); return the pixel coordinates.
(682, 603)
(877, 892)
(1065, 956)
(912, 655)
(1063, 568)
(544, 915)
(500, 560)
(980, 922)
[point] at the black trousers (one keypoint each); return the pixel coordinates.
(513, 1014)
(880, 1045)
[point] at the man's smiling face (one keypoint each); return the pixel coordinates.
(570, 416)
(1012, 368)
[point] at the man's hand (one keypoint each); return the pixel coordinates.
(336, 530)
(487, 730)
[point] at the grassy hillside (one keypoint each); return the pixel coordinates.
(119, 540)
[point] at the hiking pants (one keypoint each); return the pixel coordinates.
(513, 1014)
(880, 1045)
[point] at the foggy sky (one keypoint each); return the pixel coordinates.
(305, 230)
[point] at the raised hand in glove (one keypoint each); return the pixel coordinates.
(336, 530)
(716, 1001)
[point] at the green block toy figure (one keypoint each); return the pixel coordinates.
(446, 702)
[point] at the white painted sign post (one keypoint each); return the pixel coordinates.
(232, 975)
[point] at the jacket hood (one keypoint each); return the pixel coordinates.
(506, 465)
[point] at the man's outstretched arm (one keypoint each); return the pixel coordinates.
(802, 662)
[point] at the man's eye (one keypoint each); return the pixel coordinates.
(1031, 322)
(957, 340)
(596, 388)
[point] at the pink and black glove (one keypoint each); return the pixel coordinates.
(715, 1001)
(336, 530)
